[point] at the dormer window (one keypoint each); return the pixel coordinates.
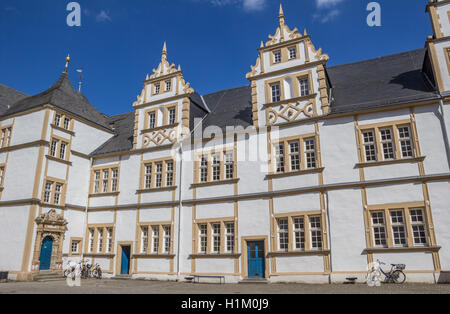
(168, 86)
(157, 89)
(292, 53)
(277, 57)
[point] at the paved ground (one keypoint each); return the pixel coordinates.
(155, 287)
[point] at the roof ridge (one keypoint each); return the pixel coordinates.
(377, 58)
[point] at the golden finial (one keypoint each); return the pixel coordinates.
(281, 15)
(305, 32)
(164, 52)
(67, 63)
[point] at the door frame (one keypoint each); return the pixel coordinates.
(244, 250)
(50, 253)
(119, 257)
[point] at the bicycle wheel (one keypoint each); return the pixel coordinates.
(398, 277)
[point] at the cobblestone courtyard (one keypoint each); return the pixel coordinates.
(155, 287)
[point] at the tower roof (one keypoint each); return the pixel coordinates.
(63, 96)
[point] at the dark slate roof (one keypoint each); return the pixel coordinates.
(122, 140)
(375, 83)
(380, 82)
(231, 107)
(63, 96)
(8, 97)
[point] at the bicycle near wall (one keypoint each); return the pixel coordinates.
(395, 275)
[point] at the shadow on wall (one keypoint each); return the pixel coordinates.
(444, 277)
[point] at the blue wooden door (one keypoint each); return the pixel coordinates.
(46, 254)
(125, 266)
(256, 262)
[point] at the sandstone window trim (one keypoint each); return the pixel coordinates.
(215, 166)
(157, 174)
(97, 243)
(211, 238)
(105, 180)
(54, 192)
(159, 239)
(282, 157)
(62, 122)
(59, 148)
(5, 136)
(417, 233)
(76, 246)
(291, 232)
(376, 145)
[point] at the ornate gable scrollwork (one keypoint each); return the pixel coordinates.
(160, 137)
(283, 32)
(291, 111)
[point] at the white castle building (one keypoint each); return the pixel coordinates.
(320, 171)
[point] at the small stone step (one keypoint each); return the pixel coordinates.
(254, 281)
(46, 276)
(122, 277)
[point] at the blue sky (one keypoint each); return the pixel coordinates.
(215, 41)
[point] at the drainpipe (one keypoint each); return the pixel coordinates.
(327, 204)
(180, 198)
(85, 214)
(444, 127)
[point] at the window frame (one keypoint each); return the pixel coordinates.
(99, 182)
(286, 142)
(97, 244)
(143, 186)
(406, 209)
(307, 231)
(157, 238)
(204, 165)
(51, 193)
(395, 127)
(211, 238)
(59, 145)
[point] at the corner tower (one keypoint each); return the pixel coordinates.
(162, 109)
(439, 44)
(288, 81)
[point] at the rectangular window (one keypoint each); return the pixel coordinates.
(299, 233)
(229, 165)
(276, 92)
(216, 238)
(203, 237)
(283, 234)
(148, 176)
(57, 196)
(168, 86)
(109, 239)
(398, 228)
(204, 169)
(53, 148)
(105, 181)
(216, 168)
(155, 239)
(279, 158)
(75, 247)
(6, 137)
(229, 228)
(96, 181)
(277, 57)
(387, 144)
(379, 229)
(304, 87)
(294, 155)
(144, 239)
(2, 176)
(48, 192)
(66, 123)
(172, 116)
(62, 150)
(158, 175)
(418, 227)
(167, 230)
(91, 240)
(152, 120)
(169, 173)
(58, 119)
(292, 53)
(100, 240)
(114, 179)
(157, 88)
(310, 153)
(315, 227)
(405, 142)
(370, 146)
